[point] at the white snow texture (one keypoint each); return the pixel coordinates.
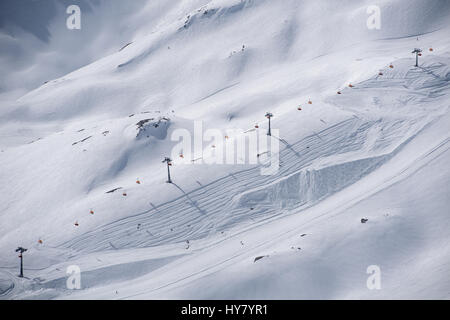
(87, 116)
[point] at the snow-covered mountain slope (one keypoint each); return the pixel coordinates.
(378, 150)
(38, 47)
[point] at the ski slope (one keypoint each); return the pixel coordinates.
(73, 149)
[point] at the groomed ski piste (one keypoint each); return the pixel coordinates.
(82, 181)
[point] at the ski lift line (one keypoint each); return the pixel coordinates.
(246, 170)
(254, 248)
(260, 154)
(259, 220)
(25, 269)
(173, 202)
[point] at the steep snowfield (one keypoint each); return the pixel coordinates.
(379, 150)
